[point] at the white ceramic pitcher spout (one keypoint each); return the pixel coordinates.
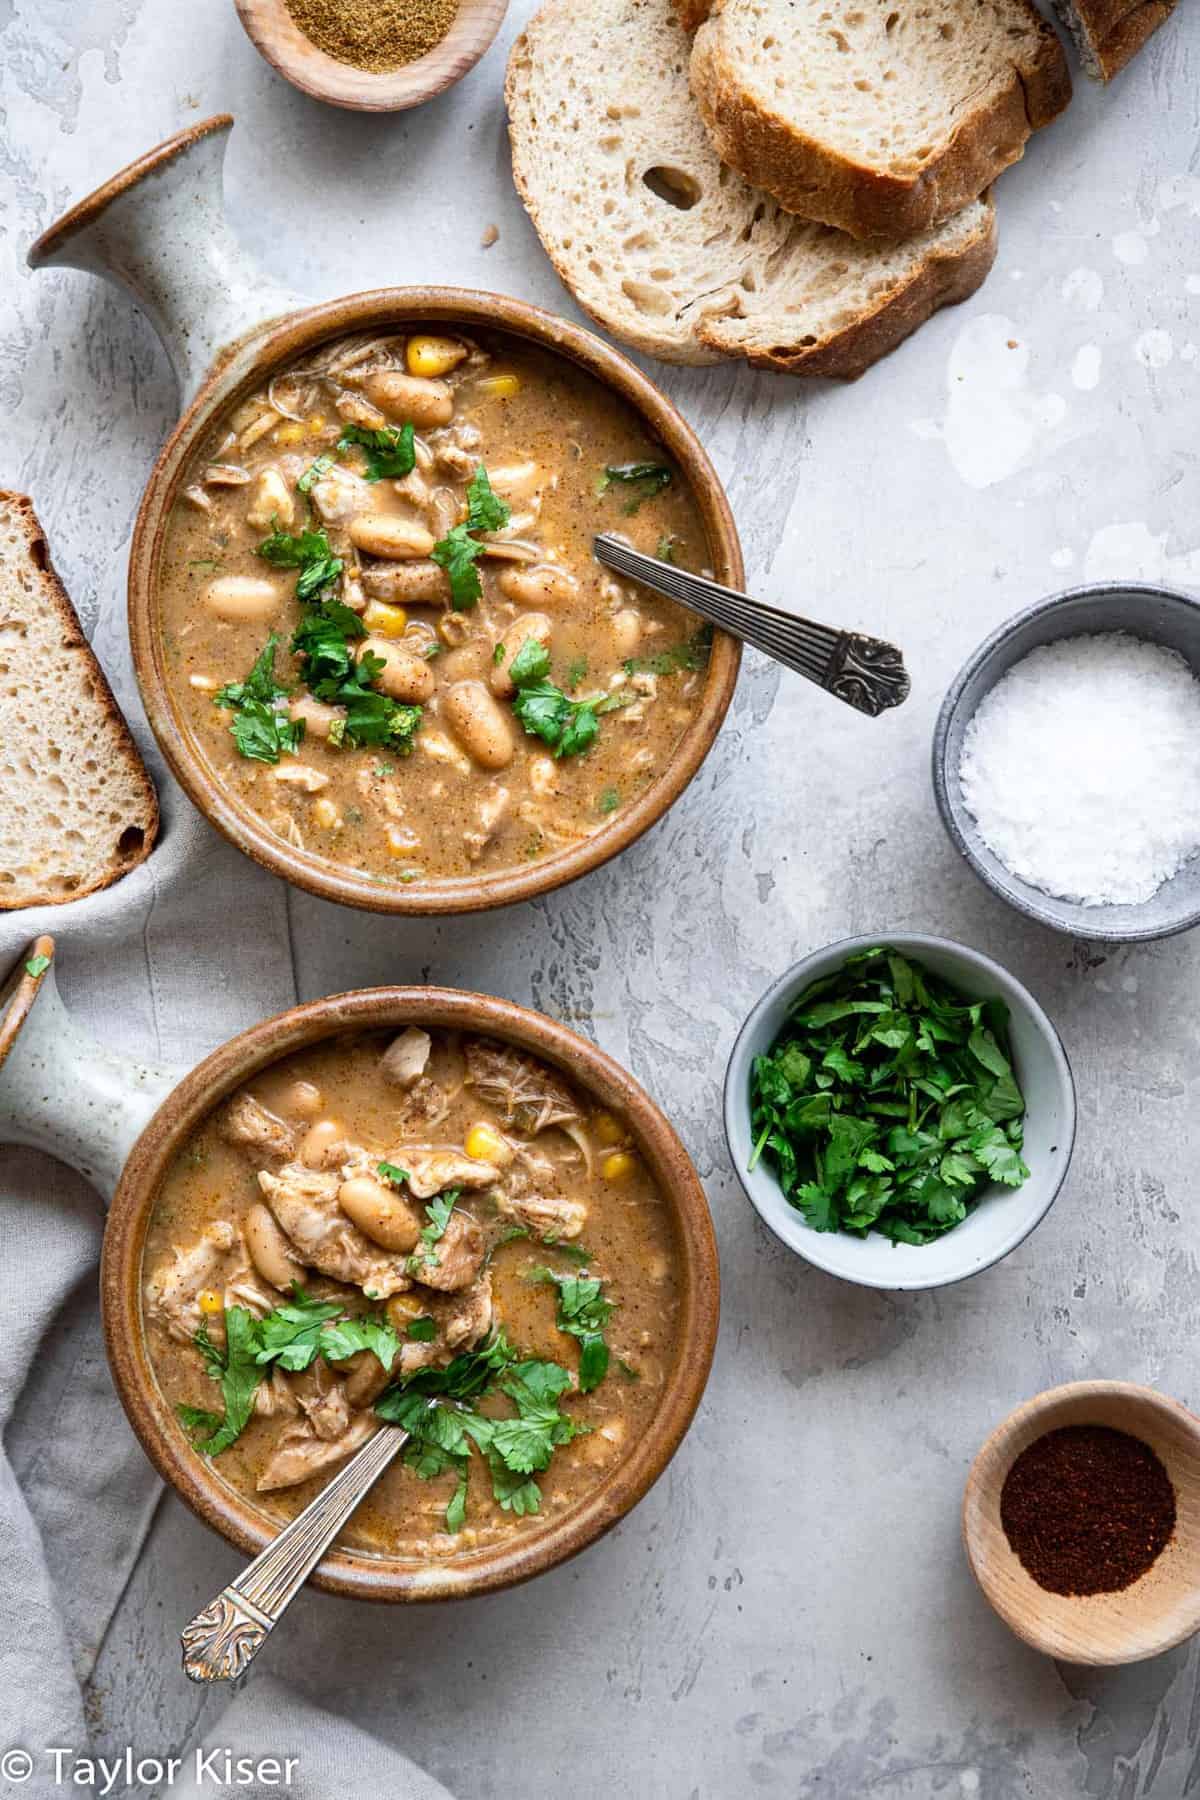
(158, 230)
(61, 1091)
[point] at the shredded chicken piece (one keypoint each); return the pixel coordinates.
(457, 1257)
(524, 1090)
(544, 1214)
(323, 1400)
(435, 1167)
(245, 1289)
(465, 1317)
(274, 1398)
(251, 1126)
(299, 1453)
(172, 1291)
(490, 812)
(340, 494)
(304, 1202)
(405, 1059)
(426, 1105)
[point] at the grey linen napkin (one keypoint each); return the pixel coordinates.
(187, 950)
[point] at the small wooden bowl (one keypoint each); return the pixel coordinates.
(276, 36)
(1101, 1630)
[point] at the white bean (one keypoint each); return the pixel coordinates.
(269, 1249)
(379, 1212)
(382, 534)
(242, 598)
(304, 1098)
(479, 724)
(416, 583)
(416, 399)
(404, 676)
(627, 631)
(318, 718)
(543, 584)
(318, 1141)
(528, 625)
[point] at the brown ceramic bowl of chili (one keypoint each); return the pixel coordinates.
(151, 1215)
(1092, 1489)
(158, 229)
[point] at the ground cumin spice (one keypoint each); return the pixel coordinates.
(374, 34)
(1087, 1509)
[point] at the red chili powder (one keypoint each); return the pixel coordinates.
(1087, 1509)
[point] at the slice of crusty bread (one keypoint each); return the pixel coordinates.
(671, 251)
(1109, 32)
(881, 117)
(77, 808)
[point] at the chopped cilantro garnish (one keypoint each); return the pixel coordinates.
(888, 1101)
(643, 479)
(568, 726)
(37, 966)
(235, 1370)
(693, 653)
(261, 729)
(437, 1211)
(458, 552)
(398, 1177)
(390, 451)
(308, 551)
(609, 800)
(583, 1312)
(423, 1330)
(316, 470)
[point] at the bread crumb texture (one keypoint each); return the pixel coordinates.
(77, 808)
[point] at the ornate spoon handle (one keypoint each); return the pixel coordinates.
(863, 671)
(220, 1643)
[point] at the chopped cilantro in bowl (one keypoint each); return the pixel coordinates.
(900, 1111)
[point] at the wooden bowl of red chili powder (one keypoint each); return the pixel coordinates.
(1081, 1521)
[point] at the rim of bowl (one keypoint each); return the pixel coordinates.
(245, 369)
(281, 43)
(980, 1486)
(359, 1574)
(797, 977)
(1014, 891)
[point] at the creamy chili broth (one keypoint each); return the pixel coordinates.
(464, 782)
(282, 1185)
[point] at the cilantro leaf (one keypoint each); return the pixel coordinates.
(235, 1369)
(692, 653)
(458, 552)
(260, 727)
(315, 471)
(437, 1211)
(291, 1334)
(389, 1171)
(391, 454)
(37, 966)
(888, 1102)
(568, 726)
(423, 1330)
(346, 1337)
(645, 480)
(583, 1312)
(308, 551)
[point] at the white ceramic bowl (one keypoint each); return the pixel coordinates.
(1004, 1216)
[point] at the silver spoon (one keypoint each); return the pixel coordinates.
(221, 1642)
(863, 671)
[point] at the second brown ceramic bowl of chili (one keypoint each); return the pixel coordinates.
(157, 229)
(623, 1113)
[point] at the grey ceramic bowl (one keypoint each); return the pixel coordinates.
(1159, 615)
(1004, 1217)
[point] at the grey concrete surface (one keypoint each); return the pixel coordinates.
(789, 1611)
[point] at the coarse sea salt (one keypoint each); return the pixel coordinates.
(1081, 768)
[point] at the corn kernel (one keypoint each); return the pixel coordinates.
(433, 355)
(608, 1129)
(486, 1145)
(388, 621)
(401, 1309)
(401, 840)
(499, 387)
(210, 1301)
(326, 814)
(316, 422)
(290, 434)
(617, 1167)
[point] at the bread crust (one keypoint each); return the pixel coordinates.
(944, 279)
(145, 817)
(1111, 32)
(808, 179)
